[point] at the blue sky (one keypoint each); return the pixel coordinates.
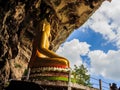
(95, 39)
(96, 44)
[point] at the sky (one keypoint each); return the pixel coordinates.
(96, 44)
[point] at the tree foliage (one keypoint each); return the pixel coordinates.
(81, 76)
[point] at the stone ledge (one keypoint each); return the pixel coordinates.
(45, 85)
(23, 85)
(27, 85)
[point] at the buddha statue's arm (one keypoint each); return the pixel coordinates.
(42, 49)
(49, 53)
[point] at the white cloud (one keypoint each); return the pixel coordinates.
(106, 64)
(106, 21)
(72, 51)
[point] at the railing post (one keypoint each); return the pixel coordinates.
(69, 80)
(100, 84)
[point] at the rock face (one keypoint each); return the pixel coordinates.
(18, 21)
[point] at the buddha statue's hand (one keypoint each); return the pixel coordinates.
(67, 61)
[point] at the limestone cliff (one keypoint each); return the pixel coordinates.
(18, 21)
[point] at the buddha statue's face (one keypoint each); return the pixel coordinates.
(46, 28)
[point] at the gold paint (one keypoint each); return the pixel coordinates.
(41, 46)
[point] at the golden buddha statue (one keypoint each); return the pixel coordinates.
(41, 55)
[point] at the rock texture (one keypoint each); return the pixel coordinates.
(18, 21)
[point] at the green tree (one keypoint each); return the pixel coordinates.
(81, 75)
